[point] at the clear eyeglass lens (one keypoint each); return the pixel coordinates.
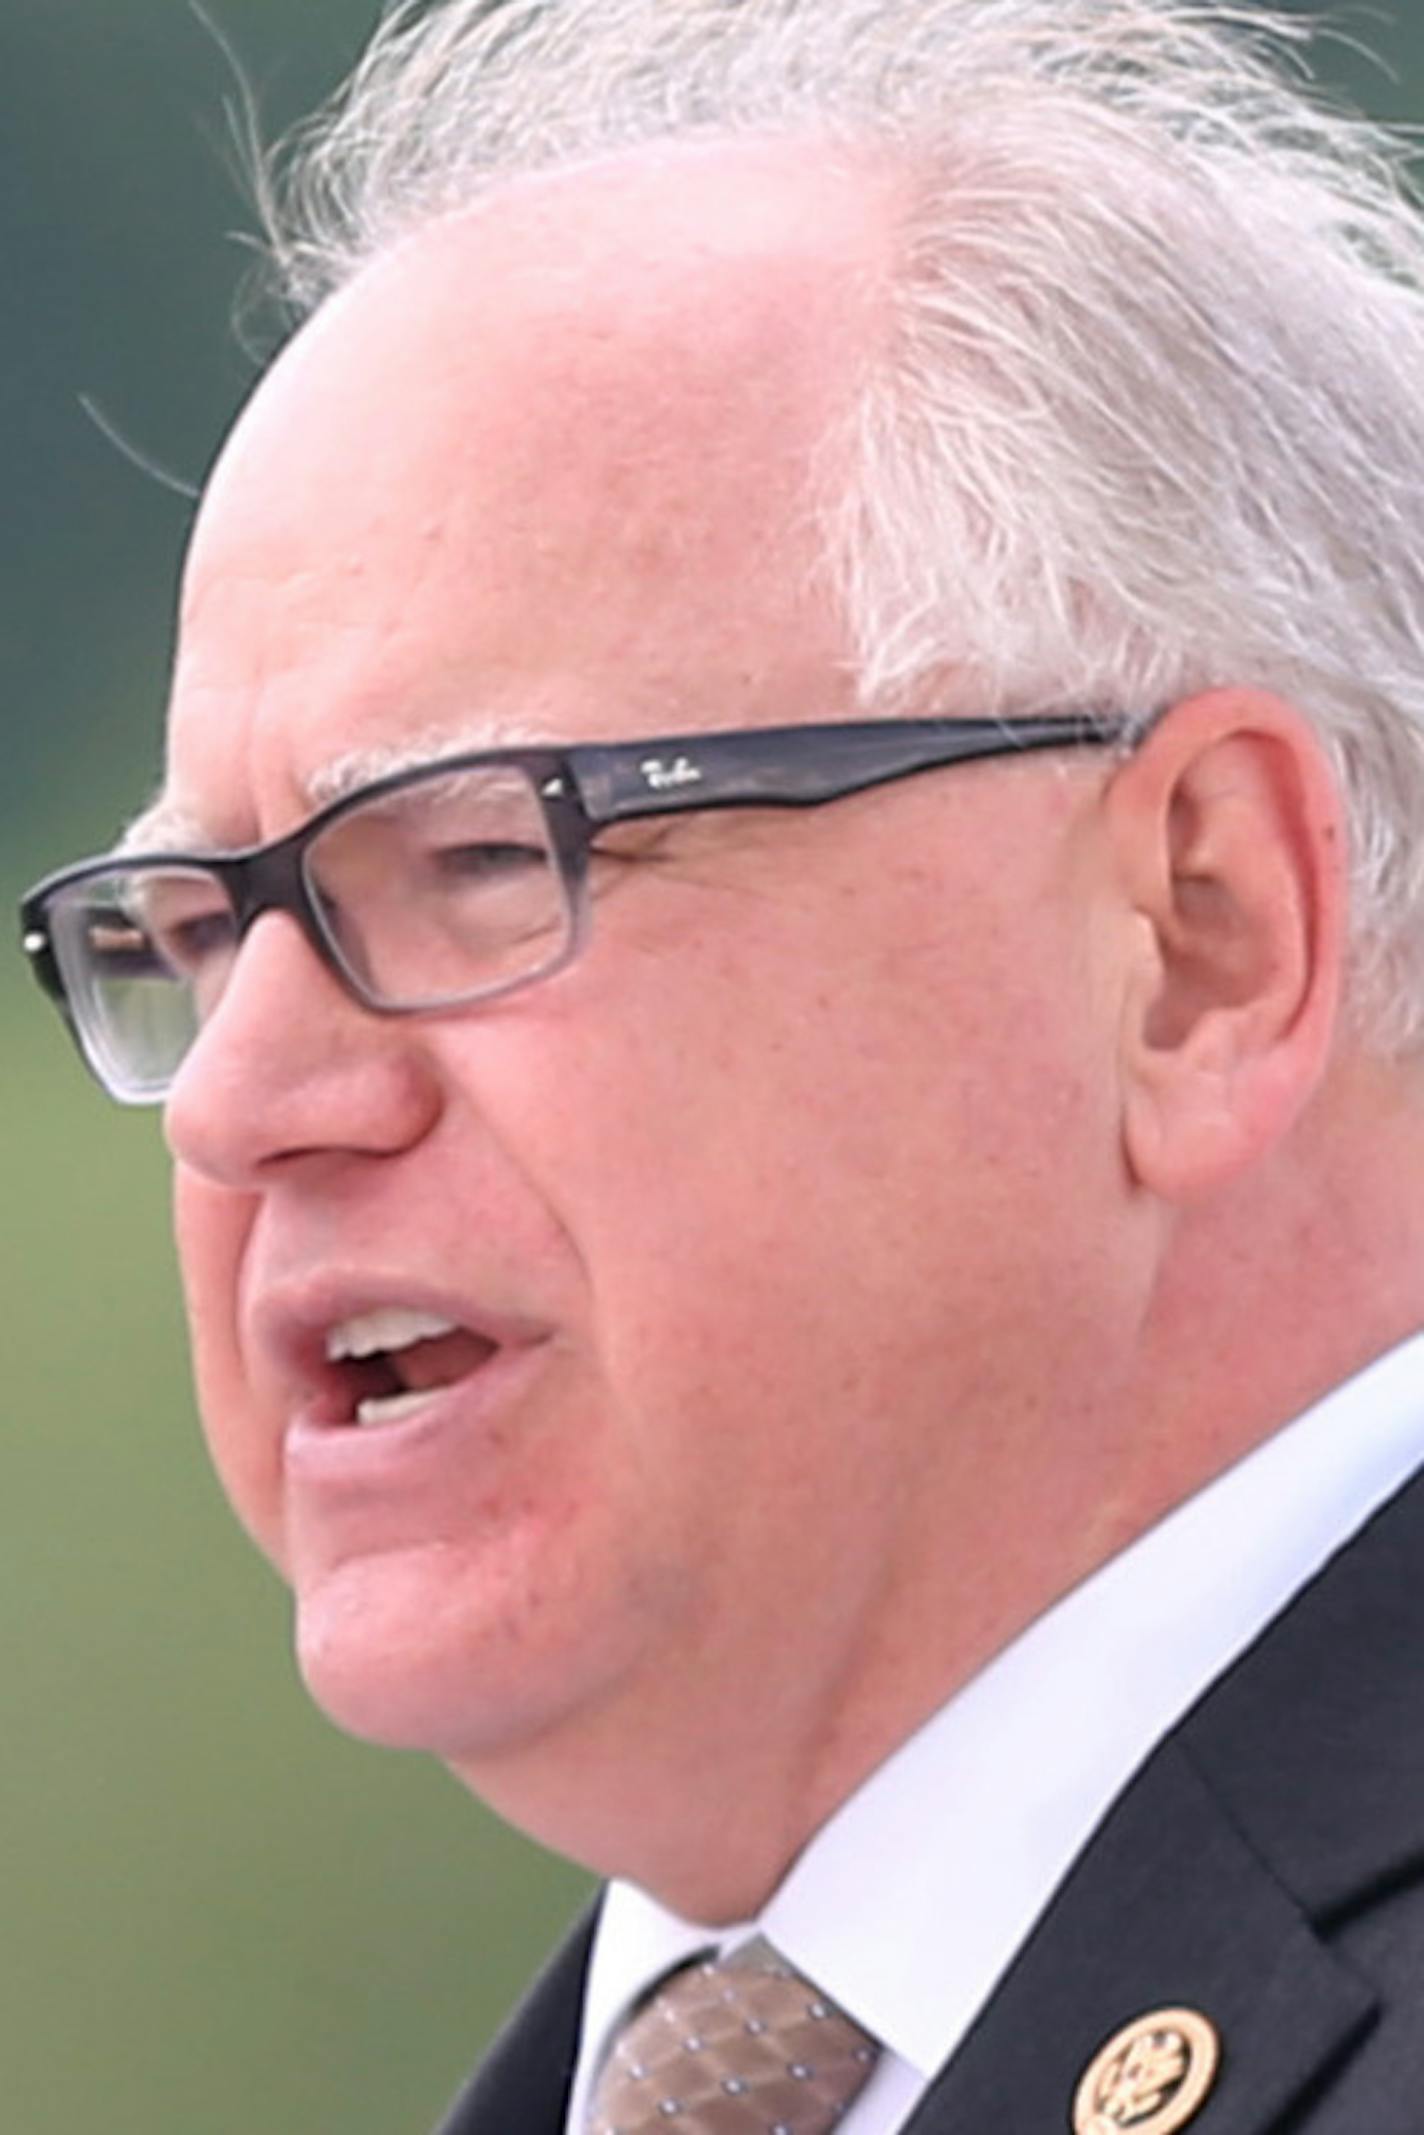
(442, 890)
(144, 953)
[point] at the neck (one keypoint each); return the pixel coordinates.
(1285, 1286)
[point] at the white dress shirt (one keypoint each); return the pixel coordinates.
(910, 1903)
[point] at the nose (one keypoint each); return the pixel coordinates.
(289, 1066)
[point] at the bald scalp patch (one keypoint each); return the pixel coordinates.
(631, 383)
(637, 298)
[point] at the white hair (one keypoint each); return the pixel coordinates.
(1153, 416)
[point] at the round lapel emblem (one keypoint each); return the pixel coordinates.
(1151, 2077)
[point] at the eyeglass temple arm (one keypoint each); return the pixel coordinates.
(797, 767)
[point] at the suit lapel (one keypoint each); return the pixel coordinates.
(1169, 1907)
(1289, 1797)
(522, 2085)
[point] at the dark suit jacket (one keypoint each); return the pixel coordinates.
(1265, 1866)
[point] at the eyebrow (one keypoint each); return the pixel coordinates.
(354, 768)
(165, 825)
(162, 827)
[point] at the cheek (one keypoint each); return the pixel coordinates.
(213, 1227)
(802, 1173)
(739, 1189)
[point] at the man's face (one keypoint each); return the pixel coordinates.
(770, 1223)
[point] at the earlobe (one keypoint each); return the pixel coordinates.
(1229, 836)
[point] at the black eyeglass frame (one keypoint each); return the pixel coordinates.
(583, 790)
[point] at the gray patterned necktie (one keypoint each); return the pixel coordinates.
(740, 2046)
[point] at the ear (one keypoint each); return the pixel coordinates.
(1229, 835)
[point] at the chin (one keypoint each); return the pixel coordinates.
(404, 1662)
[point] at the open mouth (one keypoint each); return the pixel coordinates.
(393, 1362)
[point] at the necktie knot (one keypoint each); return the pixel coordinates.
(736, 2046)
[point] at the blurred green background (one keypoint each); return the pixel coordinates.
(219, 1917)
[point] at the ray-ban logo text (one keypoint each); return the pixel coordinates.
(662, 777)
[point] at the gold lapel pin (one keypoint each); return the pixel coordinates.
(1152, 2076)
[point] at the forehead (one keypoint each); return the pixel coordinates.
(550, 468)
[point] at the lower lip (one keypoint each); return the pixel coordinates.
(468, 1416)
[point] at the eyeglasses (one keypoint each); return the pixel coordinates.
(455, 882)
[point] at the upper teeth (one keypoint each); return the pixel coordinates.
(391, 1327)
